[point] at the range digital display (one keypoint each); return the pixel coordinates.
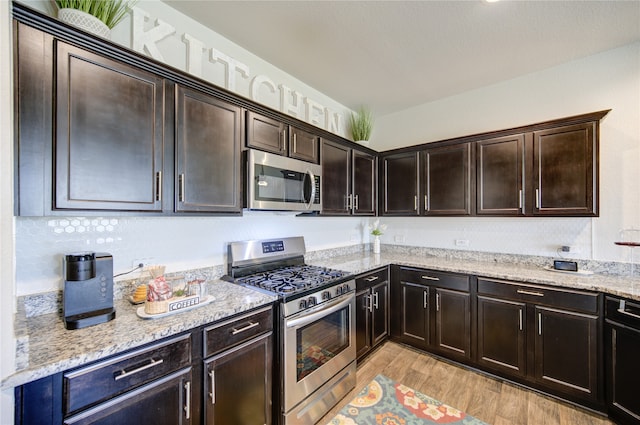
(272, 246)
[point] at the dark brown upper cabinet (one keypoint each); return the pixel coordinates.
(266, 133)
(565, 176)
(400, 184)
(500, 173)
(348, 180)
(274, 136)
(108, 143)
(208, 144)
(303, 145)
(446, 174)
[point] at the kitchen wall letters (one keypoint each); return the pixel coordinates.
(291, 101)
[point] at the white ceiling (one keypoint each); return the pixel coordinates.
(392, 55)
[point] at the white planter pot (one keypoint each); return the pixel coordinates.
(84, 21)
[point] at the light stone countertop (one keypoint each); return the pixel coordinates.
(46, 347)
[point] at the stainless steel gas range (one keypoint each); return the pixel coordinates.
(316, 331)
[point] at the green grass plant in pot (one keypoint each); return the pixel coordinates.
(94, 16)
(361, 125)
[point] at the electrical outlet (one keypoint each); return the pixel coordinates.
(573, 249)
(462, 242)
(398, 238)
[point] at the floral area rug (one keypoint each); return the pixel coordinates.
(385, 402)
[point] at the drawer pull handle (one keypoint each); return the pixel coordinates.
(537, 294)
(187, 404)
(236, 331)
(430, 277)
(212, 379)
(372, 278)
(623, 310)
(152, 363)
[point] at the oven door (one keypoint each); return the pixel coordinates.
(318, 343)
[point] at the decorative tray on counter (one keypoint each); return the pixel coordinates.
(143, 315)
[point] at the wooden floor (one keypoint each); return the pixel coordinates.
(490, 400)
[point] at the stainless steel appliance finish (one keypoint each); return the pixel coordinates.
(279, 183)
(316, 330)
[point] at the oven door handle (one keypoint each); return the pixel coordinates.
(312, 316)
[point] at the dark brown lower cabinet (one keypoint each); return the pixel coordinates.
(432, 310)
(372, 311)
(237, 384)
(566, 351)
(501, 335)
(166, 401)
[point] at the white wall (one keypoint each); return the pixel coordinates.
(609, 80)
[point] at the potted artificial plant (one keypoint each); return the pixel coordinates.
(94, 16)
(361, 125)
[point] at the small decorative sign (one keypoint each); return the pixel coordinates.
(180, 303)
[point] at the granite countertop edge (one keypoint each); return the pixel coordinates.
(40, 354)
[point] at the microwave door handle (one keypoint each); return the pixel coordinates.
(313, 189)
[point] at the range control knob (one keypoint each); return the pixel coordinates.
(302, 304)
(312, 301)
(326, 295)
(338, 290)
(345, 288)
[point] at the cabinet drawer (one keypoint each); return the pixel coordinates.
(372, 278)
(104, 380)
(567, 298)
(626, 314)
(227, 334)
(458, 282)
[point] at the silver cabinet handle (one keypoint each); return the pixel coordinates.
(524, 292)
(152, 363)
(437, 302)
(187, 405)
(539, 323)
(375, 300)
(430, 277)
(181, 178)
(426, 203)
(520, 202)
(424, 297)
(538, 198)
(372, 278)
(415, 203)
(212, 379)
(349, 201)
(282, 140)
(251, 325)
(295, 142)
(520, 318)
(159, 186)
(370, 303)
(623, 310)
(355, 202)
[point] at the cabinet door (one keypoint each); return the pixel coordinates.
(414, 314)
(266, 134)
(166, 401)
(400, 184)
(565, 170)
(303, 145)
(109, 134)
(500, 176)
(336, 188)
(380, 313)
(566, 351)
(237, 384)
(208, 153)
(447, 180)
(501, 335)
(623, 373)
(363, 322)
(364, 183)
(453, 322)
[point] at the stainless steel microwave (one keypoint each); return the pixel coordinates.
(279, 183)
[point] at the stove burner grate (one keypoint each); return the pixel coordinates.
(291, 279)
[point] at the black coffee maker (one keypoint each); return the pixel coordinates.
(88, 289)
